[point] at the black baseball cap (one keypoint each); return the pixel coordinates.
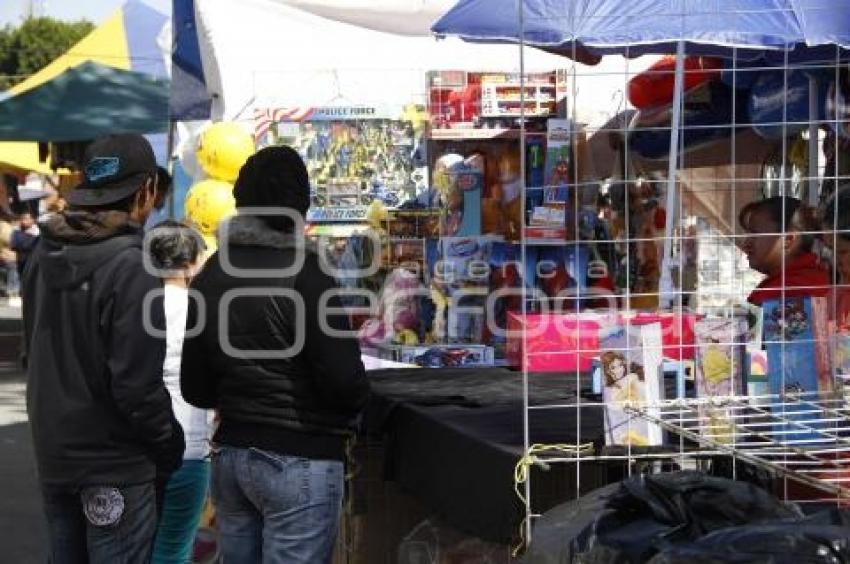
(114, 168)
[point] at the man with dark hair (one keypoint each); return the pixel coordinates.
(102, 423)
(287, 388)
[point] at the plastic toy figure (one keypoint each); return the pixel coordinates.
(556, 189)
(511, 193)
(441, 304)
(450, 195)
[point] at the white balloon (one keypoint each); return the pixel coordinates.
(188, 134)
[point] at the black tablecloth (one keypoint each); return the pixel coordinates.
(453, 438)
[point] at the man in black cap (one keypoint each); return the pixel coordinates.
(101, 418)
(288, 388)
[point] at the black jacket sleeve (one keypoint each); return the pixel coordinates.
(28, 291)
(134, 356)
(198, 379)
(334, 361)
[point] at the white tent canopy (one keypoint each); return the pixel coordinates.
(268, 53)
(405, 17)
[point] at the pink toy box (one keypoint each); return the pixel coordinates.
(559, 342)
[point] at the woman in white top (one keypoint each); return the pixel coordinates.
(175, 249)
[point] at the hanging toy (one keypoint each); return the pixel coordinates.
(655, 86)
(222, 150)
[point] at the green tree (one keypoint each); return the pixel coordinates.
(35, 43)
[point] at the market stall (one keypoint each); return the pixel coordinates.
(492, 205)
(739, 109)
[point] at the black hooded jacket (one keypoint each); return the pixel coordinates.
(299, 404)
(96, 400)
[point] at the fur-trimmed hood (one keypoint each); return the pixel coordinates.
(251, 231)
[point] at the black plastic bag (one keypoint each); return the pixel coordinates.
(779, 543)
(644, 515)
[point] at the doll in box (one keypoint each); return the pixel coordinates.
(624, 384)
(511, 188)
(398, 312)
(445, 181)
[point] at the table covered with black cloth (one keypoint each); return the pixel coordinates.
(454, 436)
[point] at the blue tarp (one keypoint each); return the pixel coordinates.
(808, 29)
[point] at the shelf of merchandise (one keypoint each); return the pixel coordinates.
(479, 133)
(539, 100)
(801, 436)
(401, 260)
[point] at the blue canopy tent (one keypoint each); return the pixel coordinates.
(784, 32)
(756, 29)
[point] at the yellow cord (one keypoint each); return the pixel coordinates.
(522, 470)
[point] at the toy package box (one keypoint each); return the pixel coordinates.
(506, 280)
(438, 356)
(798, 363)
(459, 181)
(554, 342)
(548, 206)
(720, 371)
(631, 376)
(458, 274)
(841, 359)
(558, 158)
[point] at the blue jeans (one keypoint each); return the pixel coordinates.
(100, 525)
(275, 509)
(182, 506)
(13, 280)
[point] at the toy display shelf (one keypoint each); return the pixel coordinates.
(479, 133)
(543, 242)
(504, 100)
(764, 433)
(421, 212)
(801, 436)
(513, 111)
(407, 252)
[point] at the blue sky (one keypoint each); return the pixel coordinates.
(13, 11)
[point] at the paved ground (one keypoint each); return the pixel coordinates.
(22, 534)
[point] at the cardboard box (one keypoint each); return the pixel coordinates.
(556, 342)
(545, 234)
(570, 341)
(631, 376)
(720, 371)
(798, 365)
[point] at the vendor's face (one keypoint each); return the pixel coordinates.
(762, 245)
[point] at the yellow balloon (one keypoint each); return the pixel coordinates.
(208, 203)
(211, 242)
(222, 150)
